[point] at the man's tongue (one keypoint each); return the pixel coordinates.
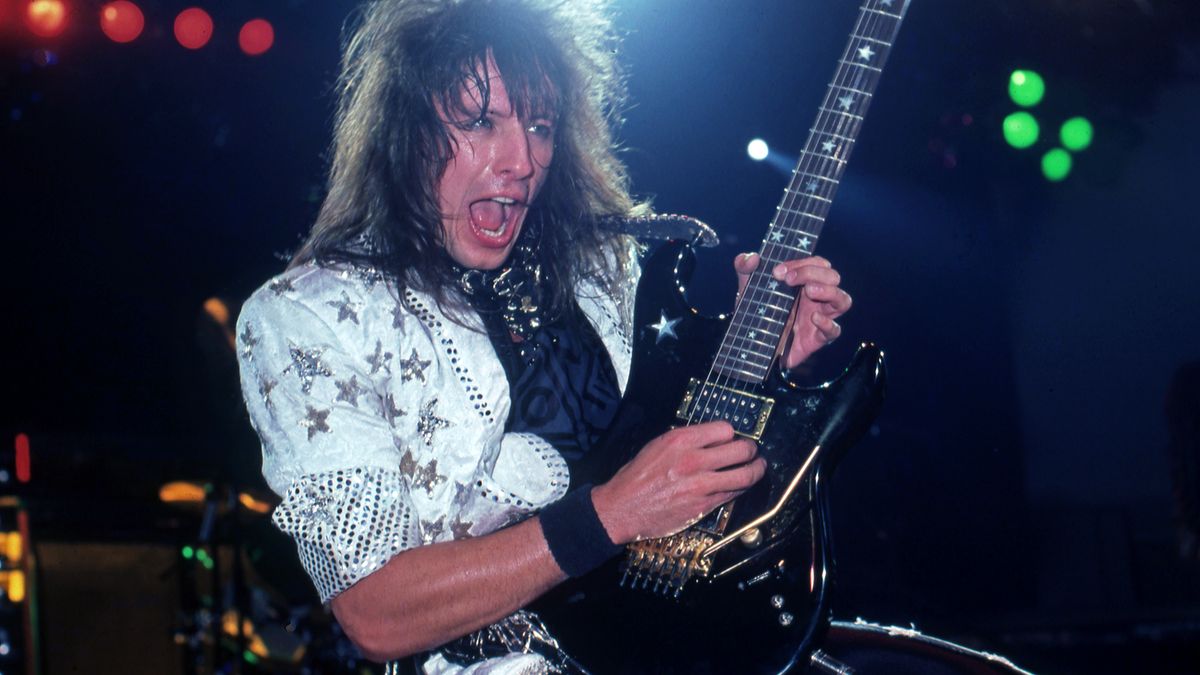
(488, 215)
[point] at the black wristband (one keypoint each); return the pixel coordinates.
(574, 533)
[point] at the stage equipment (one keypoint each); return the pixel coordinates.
(193, 28)
(1026, 88)
(46, 18)
(122, 21)
(256, 37)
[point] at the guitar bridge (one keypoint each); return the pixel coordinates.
(668, 562)
(707, 402)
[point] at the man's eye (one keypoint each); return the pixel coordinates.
(543, 129)
(480, 123)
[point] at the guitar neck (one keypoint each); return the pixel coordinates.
(759, 320)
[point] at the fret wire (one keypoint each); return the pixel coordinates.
(817, 176)
(729, 371)
(758, 356)
(860, 65)
(746, 356)
(875, 40)
(848, 139)
(844, 88)
(842, 112)
(748, 339)
(879, 11)
(802, 213)
(809, 195)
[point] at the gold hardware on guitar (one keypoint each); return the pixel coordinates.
(706, 402)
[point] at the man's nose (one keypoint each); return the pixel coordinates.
(514, 158)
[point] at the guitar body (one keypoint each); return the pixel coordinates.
(759, 602)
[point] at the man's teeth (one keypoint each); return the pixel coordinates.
(504, 200)
(495, 234)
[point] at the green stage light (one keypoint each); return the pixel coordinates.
(188, 552)
(1076, 134)
(1026, 88)
(1056, 164)
(1020, 130)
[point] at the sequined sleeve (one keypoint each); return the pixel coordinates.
(327, 434)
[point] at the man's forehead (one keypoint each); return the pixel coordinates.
(486, 85)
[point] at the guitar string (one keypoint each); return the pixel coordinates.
(845, 126)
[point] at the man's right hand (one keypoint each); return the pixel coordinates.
(675, 480)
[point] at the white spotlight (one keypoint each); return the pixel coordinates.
(757, 149)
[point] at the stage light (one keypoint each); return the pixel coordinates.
(122, 21)
(1026, 88)
(758, 150)
(182, 492)
(251, 504)
(22, 459)
(13, 547)
(1076, 134)
(193, 28)
(188, 552)
(1020, 130)
(46, 18)
(16, 585)
(256, 37)
(1056, 164)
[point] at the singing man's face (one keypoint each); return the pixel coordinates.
(498, 167)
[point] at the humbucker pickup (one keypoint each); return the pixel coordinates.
(707, 402)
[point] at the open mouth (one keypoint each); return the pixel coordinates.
(492, 219)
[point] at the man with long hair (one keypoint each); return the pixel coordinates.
(455, 332)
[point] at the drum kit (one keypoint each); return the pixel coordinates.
(246, 605)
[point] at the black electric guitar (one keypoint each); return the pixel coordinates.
(745, 589)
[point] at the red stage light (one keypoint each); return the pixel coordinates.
(122, 21)
(46, 18)
(193, 28)
(256, 37)
(21, 448)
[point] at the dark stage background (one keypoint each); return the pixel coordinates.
(1016, 492)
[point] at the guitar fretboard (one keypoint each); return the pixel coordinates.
(747, 352)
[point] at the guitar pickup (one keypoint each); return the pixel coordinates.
(707, 402)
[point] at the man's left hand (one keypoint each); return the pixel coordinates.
(822, 301)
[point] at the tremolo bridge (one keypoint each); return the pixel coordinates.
(666, 564)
